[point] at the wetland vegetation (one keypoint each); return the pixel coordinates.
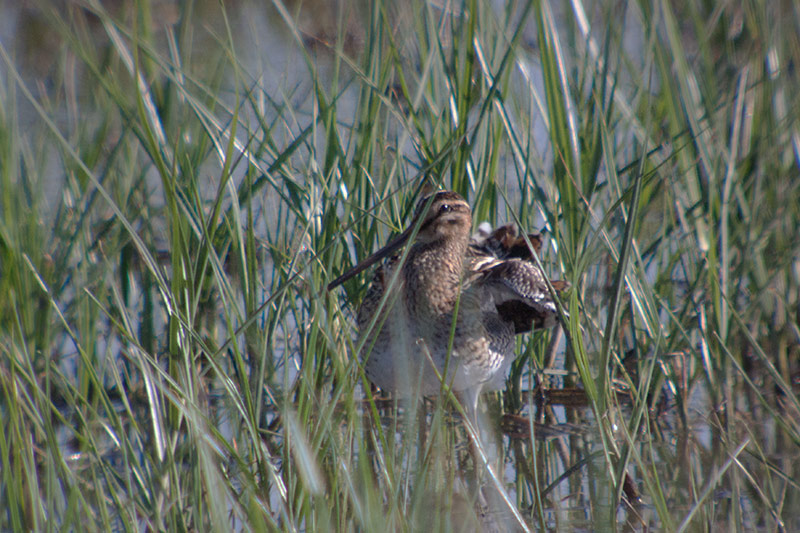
(179, 181)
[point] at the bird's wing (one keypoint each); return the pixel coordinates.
(519, 291)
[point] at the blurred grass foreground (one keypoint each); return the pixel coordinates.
(180, 180)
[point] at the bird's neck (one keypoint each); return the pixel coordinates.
(434, 271)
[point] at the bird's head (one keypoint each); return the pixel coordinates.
(442, 216)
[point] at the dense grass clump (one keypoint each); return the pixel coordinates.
(179, 183)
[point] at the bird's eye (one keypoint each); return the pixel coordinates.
(445, 208)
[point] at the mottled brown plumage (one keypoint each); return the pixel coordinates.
(407, 315)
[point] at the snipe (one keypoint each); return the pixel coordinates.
(486, 282)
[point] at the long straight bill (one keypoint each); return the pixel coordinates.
(419, 223)
(390, 248)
